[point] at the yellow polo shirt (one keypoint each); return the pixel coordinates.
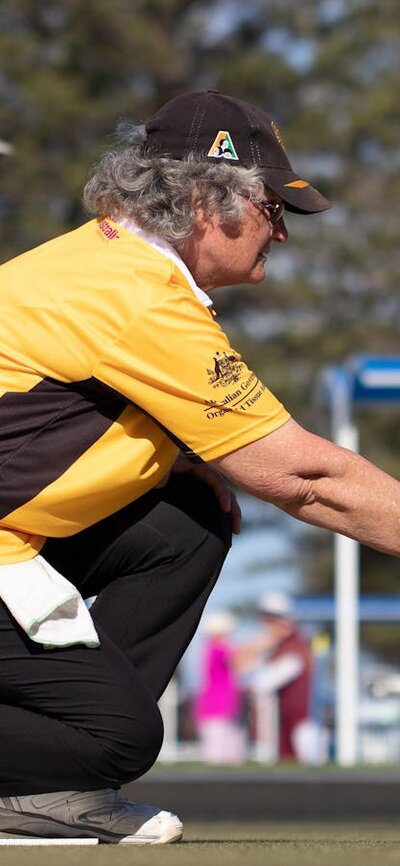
(109, 364)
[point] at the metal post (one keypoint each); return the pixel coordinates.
(347, 633)
(346, 572)
(168, 706)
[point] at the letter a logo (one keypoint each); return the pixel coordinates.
(223, 147)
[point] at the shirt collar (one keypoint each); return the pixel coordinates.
(166, 250)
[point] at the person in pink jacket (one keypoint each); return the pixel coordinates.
(218, 704)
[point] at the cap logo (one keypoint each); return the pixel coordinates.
(277, 134)
(297, 184)
(222, 146)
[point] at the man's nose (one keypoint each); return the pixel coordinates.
(279, 232)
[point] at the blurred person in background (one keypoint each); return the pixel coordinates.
(218, 703)
(282, 662)
(115, 379)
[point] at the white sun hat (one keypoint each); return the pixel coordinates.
(218, 622)
(276, 604)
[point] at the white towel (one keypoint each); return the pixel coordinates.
(46, 605)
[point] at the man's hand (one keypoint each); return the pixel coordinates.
(225, 496)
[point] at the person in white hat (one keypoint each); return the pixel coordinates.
(283, 665)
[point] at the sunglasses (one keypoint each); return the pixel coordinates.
(274, 210)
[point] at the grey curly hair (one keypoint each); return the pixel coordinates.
(157, 192)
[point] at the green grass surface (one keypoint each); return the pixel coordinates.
(272, 844)
(282, 769)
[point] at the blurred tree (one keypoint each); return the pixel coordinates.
(71, 69)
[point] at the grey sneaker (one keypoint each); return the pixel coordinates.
(106, 815)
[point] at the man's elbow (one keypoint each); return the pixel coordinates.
(288, 492)
(284, 468)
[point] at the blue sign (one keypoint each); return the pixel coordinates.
(371, 608)
(374, 379)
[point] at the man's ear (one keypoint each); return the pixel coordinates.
(201, 221)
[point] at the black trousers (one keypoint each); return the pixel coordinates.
(83, 719)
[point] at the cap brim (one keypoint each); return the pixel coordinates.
(299, 196)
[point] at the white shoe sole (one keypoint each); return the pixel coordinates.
(161, 829)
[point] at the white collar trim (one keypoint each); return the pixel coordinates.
(166, 250)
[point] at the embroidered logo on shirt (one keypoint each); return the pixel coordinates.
(227, 369)
(223, 147)
(108, 231)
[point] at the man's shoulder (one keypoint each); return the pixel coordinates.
(51, 246)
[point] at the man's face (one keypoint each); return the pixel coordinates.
(278, 627)
(227, 257)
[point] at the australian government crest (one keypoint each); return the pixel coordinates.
(226, 371)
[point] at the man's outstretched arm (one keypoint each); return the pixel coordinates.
(320, 483)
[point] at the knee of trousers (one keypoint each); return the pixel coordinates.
(134, 747)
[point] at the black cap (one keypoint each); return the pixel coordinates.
(215, 126)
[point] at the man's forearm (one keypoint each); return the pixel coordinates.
(319, 483)
(362, 503)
